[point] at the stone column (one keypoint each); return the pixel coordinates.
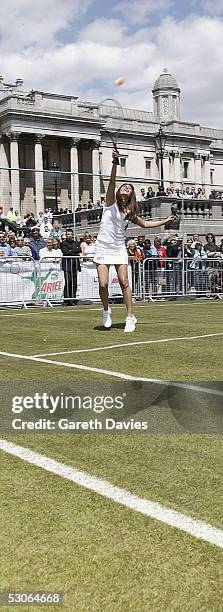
(197, 158)
(96, 171)
(177, 170)
(14, 163)
(74, 173)
(5, 198)
(207, 177)
(166, 169)
(154, 170)
(39, 173)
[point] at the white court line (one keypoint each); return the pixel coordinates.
(49, 310)
(114, 374)
(78, 309)
(138, 342)
(196, 528)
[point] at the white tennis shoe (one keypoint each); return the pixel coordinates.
(130, 324)
(107, 320)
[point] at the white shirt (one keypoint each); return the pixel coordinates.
(45, 229)
(54, 253)
(112, 226)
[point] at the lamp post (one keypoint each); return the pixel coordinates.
(55, 170)
(160, 140)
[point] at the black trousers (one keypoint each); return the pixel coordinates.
(70, 288)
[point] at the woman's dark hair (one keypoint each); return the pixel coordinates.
(212, 235)
(133, 207)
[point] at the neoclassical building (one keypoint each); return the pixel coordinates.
(39, 129)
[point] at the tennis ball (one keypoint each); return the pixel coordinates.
(120, 80)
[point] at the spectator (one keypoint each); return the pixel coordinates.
(30, 221)
(134, 257)
(97, 204)
(12, 243)
(56, 232)
(195, 239)
(83, 242)
(220, 253)
(18, 218)
(11, 216)
(150, 265)
(142, 195)
(149, 250)
(199, 266)
(141, 245)
(46, 228)
(36, 243)
(210, 247)
(212, 195)
(5, 249)
(70, 249)
(169, 192)
(48, 252)
(161, 250)
(48, 214)
(187, 193)
(40, 219)
(56, 243)
(150, 193)
(87, 249)
(21, 250)
(188, 249)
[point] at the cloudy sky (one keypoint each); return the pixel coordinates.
(79, 47)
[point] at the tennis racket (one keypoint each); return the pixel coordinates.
(111, 111)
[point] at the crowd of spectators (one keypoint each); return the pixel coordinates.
(192, 193)
(203, 263)
(46, 240)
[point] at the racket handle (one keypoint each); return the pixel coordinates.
(115, 159)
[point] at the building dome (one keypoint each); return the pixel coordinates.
(165, 81)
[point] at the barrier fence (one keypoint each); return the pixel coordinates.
(68, 280)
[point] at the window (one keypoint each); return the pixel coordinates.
(100, 163)
(45, 159)
(174, 102)
(165, 105)
(123, 166)
(212, 177)
(157, 106)
(185, 170)
(147, 168)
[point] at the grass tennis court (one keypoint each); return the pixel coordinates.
(58, 535)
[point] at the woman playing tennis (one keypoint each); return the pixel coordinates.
(110, 246)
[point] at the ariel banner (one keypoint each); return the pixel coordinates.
(23, 282)
(31, 282)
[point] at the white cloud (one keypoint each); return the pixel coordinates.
(212, 7)
(138, 11)
(88, 66)
(24, 23)
(105, 31)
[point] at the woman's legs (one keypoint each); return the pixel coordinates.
(103, 274)
(122, 272)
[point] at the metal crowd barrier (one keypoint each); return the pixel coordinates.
(173, 277)
(73, 279)
(18, 281)
(55, 280)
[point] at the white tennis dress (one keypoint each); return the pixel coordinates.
(110, 244)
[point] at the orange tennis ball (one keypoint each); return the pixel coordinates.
(120, 80)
